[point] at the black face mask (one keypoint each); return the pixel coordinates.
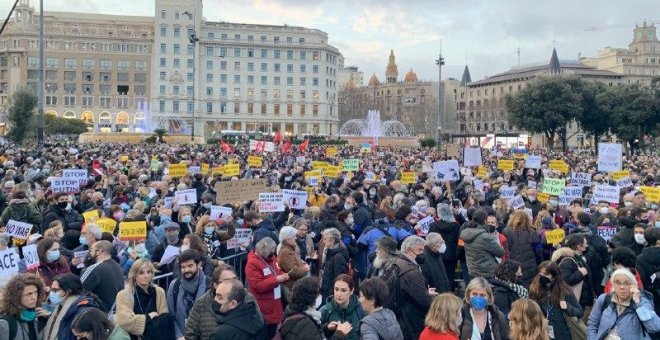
(62, 205)
(99, 202)
(158, 192)
(491, 229)
(544, 281)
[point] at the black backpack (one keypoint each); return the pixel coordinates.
(392, 278)
(13, 325)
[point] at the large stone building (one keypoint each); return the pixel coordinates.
(128, 73)
(97, 67)
(411, 101)
(350, 74)
(481, 114)
(640, 62)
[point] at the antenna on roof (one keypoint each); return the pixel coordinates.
(518, 51)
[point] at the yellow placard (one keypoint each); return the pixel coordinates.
(565, 168)
(559, 165)
(91, 216)
(617, 175)
(255, 161)
(332, 171)
(124, 158)
(505, 164)
(217, 170)
(177, 170)
(543, 197)
(519, 155)
(107, 225)
(331, 151)
(205, 168)
(313, 173)
(652, 194)
(231, 170)
(554, 236)
(318, 165)
(408, 177)
(482, 172)
(133, 230)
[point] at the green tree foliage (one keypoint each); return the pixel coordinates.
(21, 115)
(594, 120)
(545, 106)
(64, 126)
(159, 134)
(427, 142)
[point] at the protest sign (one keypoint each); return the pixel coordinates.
(554, 236)
(531, 184)
(220, 213)
(239, 191)
(607, 193)
(313, 181)
(609, 157)
(554, 186)
(65, 185)
(255, 161)
(8, 262)
(193, 169)
(18, 229)
(300, 160)
(204, 169)
(77, 174)
(132, 230)
(472, 156)
(80, 255)
(453, 150)
(365, 148)
(217, 170)
(446, 170)
(505, 164)
(295, 199)
(231, 170)
(652, 194)
(267, 146)
(313, 174)
(91, 216)
(543, 197)
(332, 171)
(529, 213)
(507, 192)
(408, 177)
(154, 165)
(606, 232)
(123, 158)
(271, 202)
(482, 171)
(168, 201)
(177, 170)
(533, 162)
(331, 151)
(30, 256)
(351, 165)
(479, 185)
(242, 236)
(617, 175)
(573, 192)
(556, 164)
(171, 252)
(624, 182)
(185, 197)
(107, 225)
(425, 223)
(581, 179)
(517, 202)
(565, 200)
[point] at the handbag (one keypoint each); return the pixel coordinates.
(576, 327)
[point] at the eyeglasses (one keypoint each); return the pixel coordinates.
(626, 284)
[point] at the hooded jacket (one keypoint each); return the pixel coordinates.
(380, 324)
(241, 323)
(22, 211)
(353, 313)
(648, 263)
(481, 249)
(336, 263)
(204, 316)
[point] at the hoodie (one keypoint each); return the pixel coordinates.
(380, 324)
(353, 313)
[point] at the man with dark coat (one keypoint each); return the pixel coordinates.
(61, 210)
(362, 215)
(240, 320)
(262, 227)
(431, 263)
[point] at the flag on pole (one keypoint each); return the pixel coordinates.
(303, 146)
(226, 148)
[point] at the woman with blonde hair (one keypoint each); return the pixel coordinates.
(443, 319)
(141, 304)
(524, 245)
(481, 317)
(527, 322)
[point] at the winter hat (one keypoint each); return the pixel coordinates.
(388, 244)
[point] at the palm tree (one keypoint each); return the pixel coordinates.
(159, 133)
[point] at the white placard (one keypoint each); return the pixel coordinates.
(607, 193)
(188, 196)
(425, 223)
(479, 185)
(624, 182)
(18, 229)
(573, 192)
(80, 175)
(8, 262)
(313, 181)
(242, 236)
(271, 202)
(66, 185)
(300, 160)
(565, 200)
(531, 184)
(472, 156)
(295, 199)
(167, 201)
(30, 256)
(171, 252)
(529, 213)
(581, 179)
(609, 157)
(220, 212)
(268, 146)
(194, 169)
(73, 151)
(80, 255)
(533, 162)
(507, 192)
(517, 202)
(446, 170)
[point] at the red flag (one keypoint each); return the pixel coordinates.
(226, 148)
(373, 144)
(303, 146)
(260, 147)
(287, 146)
(277, 138)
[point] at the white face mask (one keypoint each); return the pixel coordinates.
(317, 304)
(639, 238)
(184, 247)
(604, 210)
(443, 248)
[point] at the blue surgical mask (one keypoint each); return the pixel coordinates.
(478, 302)
(82, 240)
(657, 224)
(164, 219)
(186, 219)
(209, 230)
(53, 255)
(54, 298)
(207, 205)
(28, 315)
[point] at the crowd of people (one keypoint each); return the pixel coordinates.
(372, 254)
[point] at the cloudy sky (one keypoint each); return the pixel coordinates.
(485, 34)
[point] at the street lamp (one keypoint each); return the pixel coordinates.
(193, 40)
(440, 62)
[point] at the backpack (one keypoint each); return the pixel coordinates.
(13, 325)
(278, 332)
(391, 276)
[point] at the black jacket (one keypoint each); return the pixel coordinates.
(434, 270)
(503, 294)
(449, 232)
(523, 246)
(414, 299)
(648, 263)
(336, 263)
(498, 324)
(362, 216)
(241, 323)
(70, 219)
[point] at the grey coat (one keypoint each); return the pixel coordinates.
(380, 324)
(22, 332)
(481, 249)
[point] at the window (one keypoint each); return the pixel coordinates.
(223, 92)
(162, 90)
(289, 81)
(250, 80)
(276, 54)
(250, 67)
(289, 39)
(237, 79)
(209, 91)
(289, 94)
(315, 95)
(303, 55)
(177, 32)
(223, 52)
(276, 109)
(250, 37)
(289, 109)
(189, 49)
(163, 62)
(264, 67)
(237, 66)
(209, 107)
(250, 108)
(106, 64)
(264, 80)
(122, 102)
(163, 14)
(89, 63)
(263, 38)
(237, 52)
(315, 55)
(209, 64)
(223, 79)
(209, 50)
(189, 77)
(189, 91)
(175, 106)
(161, 105)
(237, 107)
(289, 68)
(140, 77)
(302, 109)
(69, 63)
(237, 37)
(123, 65)
(276, 94)
(302, 94)
(289, 55)
(68, 75)
(223, 36)
(177, 62)
(223, 65)
(210, 35)
(303, 81)
(175, 89)
(315, 81)
(315, 110)
(163, 31)
(264, 53)
(223, 107)
(276, 39)
(277, 67)
(51, 75)
(263, 108)
(54, 62)
(69, 100)
(122, 77)
(250, 53)
(189, 63)
(177, 49)
(189, 106)
(303, 68)
(209, 77)
(70, 88)
(176, 15)
(315, 68)
(51, 100)
(276, 81)
(264, 93)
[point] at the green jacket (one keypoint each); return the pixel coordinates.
(22, 211)
(353, 313)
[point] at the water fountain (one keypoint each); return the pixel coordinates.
(373, 128)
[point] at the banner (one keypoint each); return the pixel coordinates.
(271, 202)
(554, 236)
(351, 165)
(295, 199)
(242, 236)
(554, 186)
(220, 212)
(91, 216)
(8, 262)
(77, 174)
(446, 170)
(107, 225)
(255, 161)
(606, 232)
(472, 156)
(31, 257)
(609, 157)
(185, 197)
(652, 193)
(66, 185)
(312, 174)
(533, 162)
(18, 229)
(607, 193)
(129, 231)
(505, 164)
(581, 179)
(239, 191)
(408, 177)
(177, 170)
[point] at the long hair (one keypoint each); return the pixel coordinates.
(10, 301)
(197, 243)
(443, 314)
(94, 321)
(527, 321)
(520, 221)
(558, 290)
(445, 213)
(135, 270)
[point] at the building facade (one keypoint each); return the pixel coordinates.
(241, 76)
(481, 111)
(97, 67)
(639, 63)
(350, 74)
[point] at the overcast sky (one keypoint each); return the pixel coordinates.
(485, 34)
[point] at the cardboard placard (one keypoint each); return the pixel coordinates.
(652, 194)
(78, 174)
(133, 230)
(482, 171)
(573, 192)
(66, 185)
(554, 186)
(624, 182)
(517, 202)
(194, 169)
(186, 197)
(446, 170)
(531, 184)
(408, 177)
(271, 202)
(533, 162)
(607, 193)
(231, 170)
(8, 262)
(107, 225)
(30, 256)
(177, 170)
(333, 171)
(91, 216)
(505, 164)
(453, 150)
(581, 179)
(610, 157)
(425, 223)
(239, 191)
(242, 236)
(606, 232)
(507, 192)
(295, 199)
(351, 165)
(331, 151)
(255, 161)
(19, 230)
(543, 197)
(220, 212)
(472, 156)
(617, 175)
(313, 174)
(554, 236)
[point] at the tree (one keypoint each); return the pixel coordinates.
(64, 126)
(21, 115)
(595, 119)
(159, 133)
(545, 106)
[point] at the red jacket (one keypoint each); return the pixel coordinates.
(261, 275)
(428, 334)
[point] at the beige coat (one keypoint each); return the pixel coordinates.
(129, 321)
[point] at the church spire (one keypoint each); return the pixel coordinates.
(466, 76)
(554, 66)
(391, 72)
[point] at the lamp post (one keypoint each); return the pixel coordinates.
(193, 40)
(42, 78)
(440, 62)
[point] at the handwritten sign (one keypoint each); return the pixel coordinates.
(30, 256)
(351, 164)
(482, 171)
(606, 232)
(231, 170)
(242, 236)
(408, 177)
(177, 170)
(533, 162)
(517, 202)
(554, 236)
(607, 193)
(107, 225)
(624, 182)
(313, 174)
(267, 146)
(617, 175)
(507, 192)
(65, 185)
(239, 191)
(295, 199)
(472, 156)
(271, 202)
(331, 151)
(80, 255)
(543, 197)
(219, 212)
(554, 186)
(123, 158)
(78, 174)
(18, 229)
(479, 185)
(565, 200)
(204, 169)
(446, 170)
(425, 223)
(193, 169)
(505, 164)
(332, 171)
(91, 216)
(154, 165)
(255, 161)
(531, 184)
(453, 150)
(581, 179)
(185, 197)
(8, 262)
(133, 230)
(609, 157)
(652, 194)
(573, 192)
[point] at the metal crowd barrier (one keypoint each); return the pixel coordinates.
(236, 260)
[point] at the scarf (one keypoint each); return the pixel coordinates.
(189, 289)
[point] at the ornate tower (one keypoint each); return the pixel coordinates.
(554, 66)
(645, 39)
(391, 72)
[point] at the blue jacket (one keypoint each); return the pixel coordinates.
(264, 229)
(179, 312)
(371, 235)
(603, 318)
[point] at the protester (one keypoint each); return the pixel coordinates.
(342, 307)
(648, 264)
(623, 257)
(239, 318)
(289, 259)
(183, 291)
(482, 319)
(104, 278)
(449, 228)
(443, 320)
(506, 285)
(523, 244)
(93, 324)
(432, 265)
(380, 322)
(481, 249)
(51, 262)
(573, 269)
(301, 319)
(526, 321)
(335, 260)
(21, 314)
(69, 299)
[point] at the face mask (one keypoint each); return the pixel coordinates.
(350, 221)
(28, 315)
(443, 248)
(119, 215)
(207, 205)
(372, 192)
(544, 281)
(186, 219)
(62, 205)
(184, 247)
(478, 302)
(125, 206)
(172, 238)
(164, 219)
(627, 203)
(603, 210)
(209, 230)
(532, 198)
(654, 206)
(639, 238)
(53, 256)
(657, 224)
(99, 203)
(240, 221)
(54, 298)
(554, 204)
(348, 207)
(82, 240)
(318, 302)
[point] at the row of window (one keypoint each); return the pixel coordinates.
(106, 64)
(249, 108)
(104, 77)
(104, 102)
(302, 81)
(263, 67)
(302, 94)
(51, 44)
(224, 36)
